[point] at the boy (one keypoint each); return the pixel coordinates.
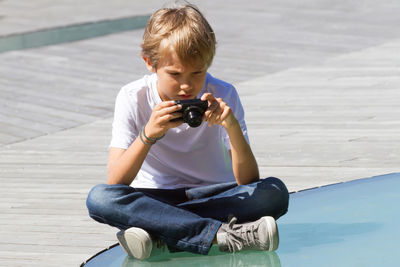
(186, 187)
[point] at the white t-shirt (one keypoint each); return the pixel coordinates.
(185, 156)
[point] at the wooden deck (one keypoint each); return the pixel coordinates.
(319, 80)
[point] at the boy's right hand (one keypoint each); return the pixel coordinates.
(160, 119)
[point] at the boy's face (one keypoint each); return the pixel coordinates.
(178, 80)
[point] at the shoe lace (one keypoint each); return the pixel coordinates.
(240, 235)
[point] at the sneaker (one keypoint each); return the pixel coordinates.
(136, 242)
(259, 235)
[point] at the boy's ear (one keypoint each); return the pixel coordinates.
(148, 64)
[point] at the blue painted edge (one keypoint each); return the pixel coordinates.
(351, 182)
(70, 33)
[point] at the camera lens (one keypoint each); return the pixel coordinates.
(194, 118)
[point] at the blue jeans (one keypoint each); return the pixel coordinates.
(187, 218)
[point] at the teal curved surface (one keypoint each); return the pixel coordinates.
(354, 223)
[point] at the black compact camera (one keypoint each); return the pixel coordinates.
(192, 111)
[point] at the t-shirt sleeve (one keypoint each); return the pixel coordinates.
(237, 108)
(124, 131)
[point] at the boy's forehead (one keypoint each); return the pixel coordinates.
(169, 58)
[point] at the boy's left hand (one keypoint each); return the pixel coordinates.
(218, 112)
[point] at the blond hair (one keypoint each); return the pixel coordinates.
(183, 30)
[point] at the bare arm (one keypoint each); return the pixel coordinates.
(244, 164)
(124, 164)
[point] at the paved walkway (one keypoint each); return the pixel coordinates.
(319, 82)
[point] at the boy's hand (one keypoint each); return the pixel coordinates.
(218, 112)
(160, 119)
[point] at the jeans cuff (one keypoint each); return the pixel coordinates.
(211, 234)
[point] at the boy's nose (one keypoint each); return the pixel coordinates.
(186, 85)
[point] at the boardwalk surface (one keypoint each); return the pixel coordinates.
(319, 81)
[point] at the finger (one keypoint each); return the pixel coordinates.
(165, 104)
(223, 115)
(166, 111)
(220, 113)
(213, 105)
(216, 104)
(207, 96)
(171, 117)
(208, 114)
(213, 117)
(211, 109)
(170, 109)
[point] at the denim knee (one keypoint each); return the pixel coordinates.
(97, 200)
(275, 193)
(112, 204)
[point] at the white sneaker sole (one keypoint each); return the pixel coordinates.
(136, 242)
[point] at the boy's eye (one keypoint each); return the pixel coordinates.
(174, 73)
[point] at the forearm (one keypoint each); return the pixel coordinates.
(124, 169)
(123, 165)
(244, 164)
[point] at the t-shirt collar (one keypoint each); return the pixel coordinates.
(153, 87)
